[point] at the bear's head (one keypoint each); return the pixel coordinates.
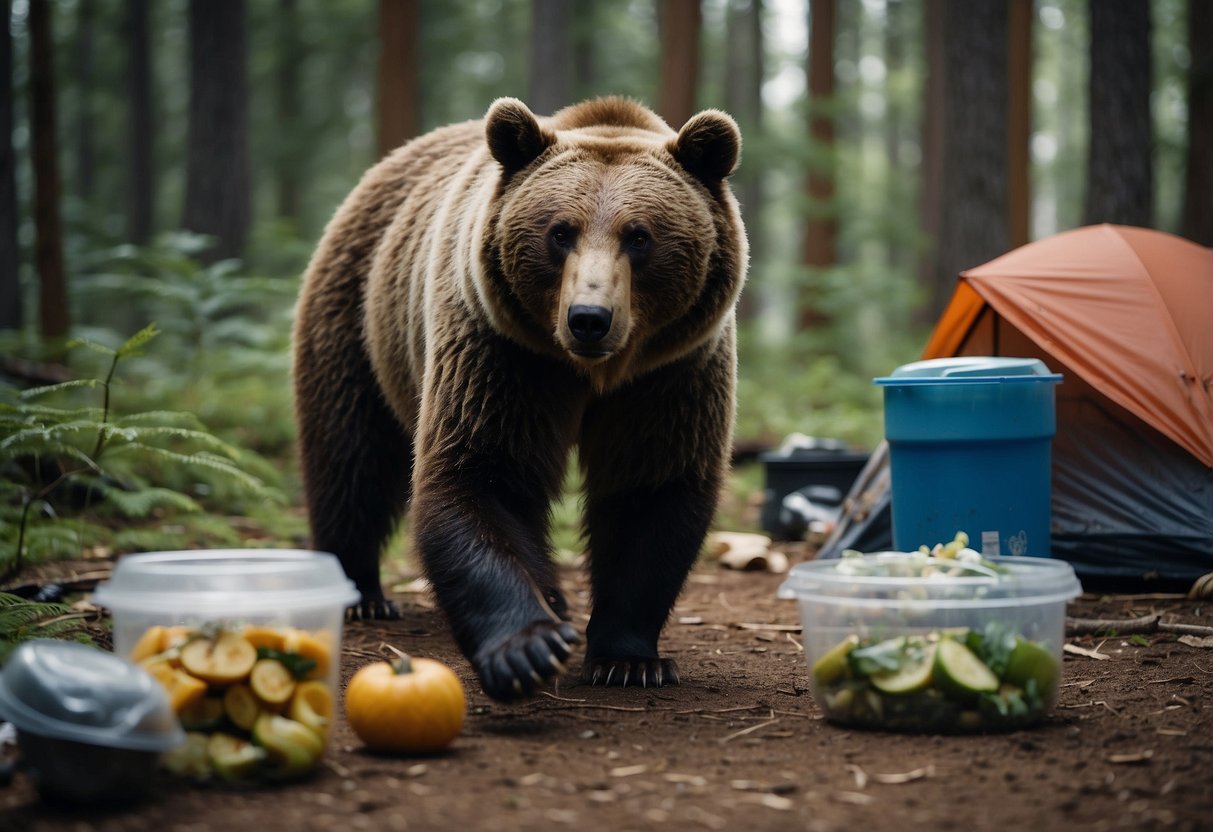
(617, 241)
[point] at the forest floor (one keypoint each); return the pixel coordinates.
(739, 745)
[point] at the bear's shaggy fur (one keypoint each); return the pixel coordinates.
(490, 296)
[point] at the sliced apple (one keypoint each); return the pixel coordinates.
(241, 706)
(234, 758)
(271, 638)
(183, 690)
(222, 660)
(293, 748)
(312, 705)
(272, 682)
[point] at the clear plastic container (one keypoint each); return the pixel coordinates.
(90, 724)
(875, 629)
(247, 643)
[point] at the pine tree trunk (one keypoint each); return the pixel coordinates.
(821, 227)
(1120, 172)
(1019, 122)
(930, 195)
(54, 318)
(679, 24)
(11, 312)
(289, 57)
(551, 56)
(743, 100)
(974, 201)
(586, 40)
(1197, 221)
(141, 175)
(86, 166)
(217, 177)
(399, 73)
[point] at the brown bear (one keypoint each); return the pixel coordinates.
(490, 296)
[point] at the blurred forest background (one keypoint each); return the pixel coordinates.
(173, 162)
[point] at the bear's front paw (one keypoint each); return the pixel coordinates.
(374, 609)
(631, 671)
(513, 667)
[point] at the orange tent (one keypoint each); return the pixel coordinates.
(1129, 310)
(1126, 316)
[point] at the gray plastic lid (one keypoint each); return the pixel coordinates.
(70, 691)
(226, 582)
(971, 367)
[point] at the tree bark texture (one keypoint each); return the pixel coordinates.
(974, 198)
(1120, 171)
(1019, 122)
(141, 176)
(11, 312)
(1196, 222)
(930, 195)
(53, 315)
(86, 156)
(399, 73)
(821, 226)
(743, 100)
(551, 67)
(287, 164)
(217, 177)
(679, 24)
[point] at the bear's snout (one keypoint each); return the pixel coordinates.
(589, 324)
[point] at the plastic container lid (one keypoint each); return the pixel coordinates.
(886, 580)
(226, 581)
(972, 369)
(70, 691)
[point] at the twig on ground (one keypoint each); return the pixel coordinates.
(1132, 626)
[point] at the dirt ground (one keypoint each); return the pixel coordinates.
(740, 745)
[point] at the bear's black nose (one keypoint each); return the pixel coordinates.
(589, 324)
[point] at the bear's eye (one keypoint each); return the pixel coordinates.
(561, 237)
(637, 241)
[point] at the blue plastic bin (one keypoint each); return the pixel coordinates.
(970, 449)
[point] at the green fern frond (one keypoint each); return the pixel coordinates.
(22, 620)
(203, 459)
(47, 447)
(162, 418)
(197, 437)
(140, 503)
(137, 340)
(74, 384)
(90, 344)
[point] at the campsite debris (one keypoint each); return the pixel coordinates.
(746, 552)
(1196, 641)
(1131, 759)
(1082, 651)
(1202, 588)
(1131, 626)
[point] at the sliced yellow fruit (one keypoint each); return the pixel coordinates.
(293, 748)
(913, 675)
(149, 644)
(225, 659)
(183, 690)
(271, 638)
(833, 663)
(315, 646)
(241, 706)
(312, 705)
(234, 758)
(272, 682)
(959, 673)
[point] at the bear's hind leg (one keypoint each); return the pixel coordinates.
(357, 463)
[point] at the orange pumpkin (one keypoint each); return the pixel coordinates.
(406, 705)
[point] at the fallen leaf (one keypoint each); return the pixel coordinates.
(1197, 641)
(1082, 651)
(905, 777)
(1138, 757)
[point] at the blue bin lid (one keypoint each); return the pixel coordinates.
(971, 368)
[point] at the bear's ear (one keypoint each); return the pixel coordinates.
(514, 135)
(708, 146)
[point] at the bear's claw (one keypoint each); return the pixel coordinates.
(625, 671)
(373, 610)
(515, 666)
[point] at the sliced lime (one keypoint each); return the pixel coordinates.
(833, 663)
(1032, 660)
(913, 675)
(960, 673)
